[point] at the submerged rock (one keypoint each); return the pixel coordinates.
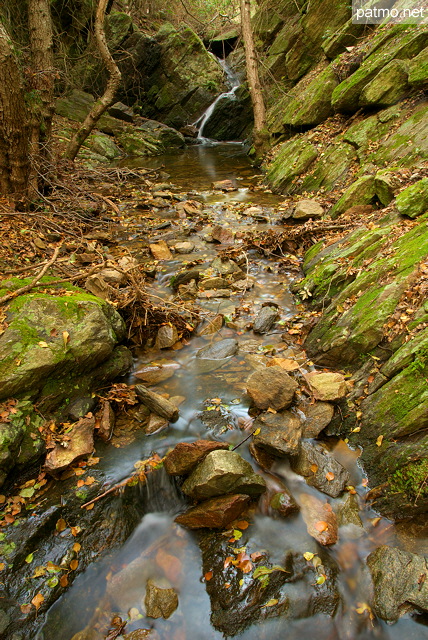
(223, 472)
(160, 603)
(320, 469)
(186, 455)
(215, 513)
(399, 580)
(219, 350)
(284, 503)
(280, 433)
(320, 519)
(271, 388)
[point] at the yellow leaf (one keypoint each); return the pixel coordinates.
(37, 600)
(61, 525)
(321, 579)
(314, 468)
(65, 338)
(43, 344)
(356, 430)
(379, 441)
(257, 431)
(329, 476)
(271, 603)
(308, 555)
(77, 547)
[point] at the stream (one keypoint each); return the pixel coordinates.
(162, 550)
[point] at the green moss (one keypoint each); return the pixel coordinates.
(412, 480)
(7, 548)
(420, 362)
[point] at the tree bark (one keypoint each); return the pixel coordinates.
(260, 134)
(14, 125)
(42, 85)
(103, 103)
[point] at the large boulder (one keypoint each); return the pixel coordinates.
(279, 433)
(399, 582)
(413, 201)
(271, 388)
(223, 472)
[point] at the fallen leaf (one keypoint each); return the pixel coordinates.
(74, 564)
(77, 547)
(314, 468)
(43, 344)
(242, 524)
(308, 555)
(256, 556)
(321, 579)
(65, 338)
(29, 559)
(25, 608)
(379, 441)
(37, 600)
(2, 566)
(329, 476)
(75, 531)
(271, 602)
(61, 525)
(208, 575)
(63, 581)
(321, 526)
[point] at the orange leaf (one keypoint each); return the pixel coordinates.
(314, 468)
(25, 608)
(80, 483)
(89, 507)
(227, 562)
(321, 526)
(208, 575)
(75, 531)
(329, 476)
(256, 556)
(74, 564)
(77, 547)
(37, 600)
(90, 480)
(242, 524)
(246, 566)
(63, 581)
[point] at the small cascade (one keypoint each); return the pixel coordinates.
(233, 81)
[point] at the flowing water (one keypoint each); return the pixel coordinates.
(162, 550)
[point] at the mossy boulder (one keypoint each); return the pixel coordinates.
(413, 201)
(331, 169)
(418, 70)
(103, 145)
(307, 104)
(399, 42)
(293, 159)
(34, 346)
(232, 118)
(347, 36)
(362, 191)
(151, 138)
(388, 87)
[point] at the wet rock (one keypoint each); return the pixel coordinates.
(78, 443)
(284, 503)
(224, 235)
(79, 407)
(107, 421)
(306, 209)
(327, 386)
(226, 267)
(155, 424)
(224, 185)
(216, 513)
(255, 212)
(348, 512)
(121, 112)
(265, 319)
(167, 336)
(156, 403)
(188, 291)
(320, 469)
(155, 373)
(184, 247)
(160, 251)
(184, 278)
(280, 433)
(213, 326)
(318, 417)
(140, 634)
(214, 293)
(212, 283)
(186, 455)
(271, 388)
(219, 350)
(160, 603)
(399, 580)
(262, 457)
(319, 518)
(189, 130)
(223, 472)
(113, 276)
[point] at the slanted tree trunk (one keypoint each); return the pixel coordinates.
(14, 125)
(260, 134)
(42, 94)
(103, 103)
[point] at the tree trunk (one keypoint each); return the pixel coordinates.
(14, 128)
(42, 84)
(103, 103)
(261, 136)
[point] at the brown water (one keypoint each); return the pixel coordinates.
(159, 548)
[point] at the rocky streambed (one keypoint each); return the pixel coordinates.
(247, 513)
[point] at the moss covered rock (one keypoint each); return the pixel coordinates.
(418, 70)
(413, 201)
(362, 191)
(388, 87)
(294, 158)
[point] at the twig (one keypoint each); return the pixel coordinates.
(40, 275)
(244, 440)
(113, 488)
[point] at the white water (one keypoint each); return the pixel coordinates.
(233, 81)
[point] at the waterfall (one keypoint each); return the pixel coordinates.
(233, 81)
